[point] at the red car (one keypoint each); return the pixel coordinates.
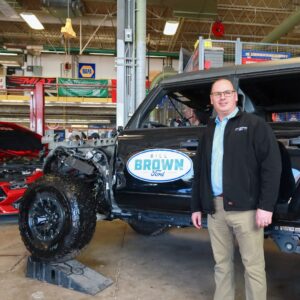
(20, 164)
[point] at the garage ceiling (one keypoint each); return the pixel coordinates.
(250, 20)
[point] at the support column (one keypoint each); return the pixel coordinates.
(140, 51)
(201, 53)
(37, 109)
(125, 60)
(238, 51)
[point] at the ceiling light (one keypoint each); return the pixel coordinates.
(156, 56)
(32, 21)
(8, 54)
(171, 27)
(98, 53)
(13, 49)
(9, 63)
(53, 51)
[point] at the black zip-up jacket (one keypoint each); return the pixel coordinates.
(251, 166)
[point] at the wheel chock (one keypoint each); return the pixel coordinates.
(70, 274)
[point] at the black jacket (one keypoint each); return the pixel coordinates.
(251, 166)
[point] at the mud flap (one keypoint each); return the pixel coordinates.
(70, 274)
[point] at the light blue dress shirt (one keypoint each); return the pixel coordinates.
(217, 154)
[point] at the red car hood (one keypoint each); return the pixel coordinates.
(16, 140)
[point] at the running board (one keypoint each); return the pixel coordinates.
(70, 274)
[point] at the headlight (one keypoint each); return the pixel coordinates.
(15, 185)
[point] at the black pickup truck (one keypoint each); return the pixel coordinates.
(143, 175)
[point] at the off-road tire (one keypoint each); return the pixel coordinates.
(147, 228)
(57, 218)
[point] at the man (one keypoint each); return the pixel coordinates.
(236, 182)
(190, 116)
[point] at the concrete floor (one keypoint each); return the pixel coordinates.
(176, 265)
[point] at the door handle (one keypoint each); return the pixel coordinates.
(189, 144)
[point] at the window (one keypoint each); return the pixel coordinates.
(179, 108)
(274, 96)
(286, 116)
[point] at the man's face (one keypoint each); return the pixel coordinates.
(188, 112)
(223, 98)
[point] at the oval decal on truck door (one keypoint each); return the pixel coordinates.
(159, 165)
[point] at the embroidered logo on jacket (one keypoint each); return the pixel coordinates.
(242, 128)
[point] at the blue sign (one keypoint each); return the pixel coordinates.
(265, 55)
(86, 70)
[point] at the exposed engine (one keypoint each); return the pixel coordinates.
(91, 161)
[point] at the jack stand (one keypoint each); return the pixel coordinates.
(70, 274)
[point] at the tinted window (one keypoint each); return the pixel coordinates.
(273, 93)
(179, 108)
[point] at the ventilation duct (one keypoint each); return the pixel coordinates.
(282, 29)
(63, 8)
(7, 10)
(205, 9)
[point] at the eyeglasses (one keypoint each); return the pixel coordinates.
(227, 94)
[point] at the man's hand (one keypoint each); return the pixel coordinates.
(263, 218)
(196, 219)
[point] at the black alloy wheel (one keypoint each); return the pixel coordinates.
(46, 216)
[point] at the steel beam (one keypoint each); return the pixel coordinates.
(140, 51)
(125, 60)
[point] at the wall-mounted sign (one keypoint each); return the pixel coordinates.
(159, 165)
(253, 56)
(92, 88)
(86, 70)
(22, 82)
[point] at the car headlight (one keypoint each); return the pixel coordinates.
(15, 185)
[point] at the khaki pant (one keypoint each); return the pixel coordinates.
(222, 227)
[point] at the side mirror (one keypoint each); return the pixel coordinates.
(120, 129)
(117, 131)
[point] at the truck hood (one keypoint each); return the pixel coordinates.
(16, 140)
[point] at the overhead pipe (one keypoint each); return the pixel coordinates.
(161, 76)
(76, 50)
(286, 26)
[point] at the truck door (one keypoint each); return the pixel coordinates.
(155, 155)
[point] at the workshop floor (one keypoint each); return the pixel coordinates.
(176, 265)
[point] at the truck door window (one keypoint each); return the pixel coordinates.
(170, 112)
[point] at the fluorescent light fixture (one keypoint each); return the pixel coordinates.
(32, 21)
(171, 27)
(156, 56)
(53, 51)
(101, 54)
(19, 50)
(79, 126)
(8, 54)
(9, 63)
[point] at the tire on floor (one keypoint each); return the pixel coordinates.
(57, 218)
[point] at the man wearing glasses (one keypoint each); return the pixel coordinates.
(236, 182)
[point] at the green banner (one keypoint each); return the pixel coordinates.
(83, 88)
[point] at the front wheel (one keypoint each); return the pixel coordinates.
(57, 218)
